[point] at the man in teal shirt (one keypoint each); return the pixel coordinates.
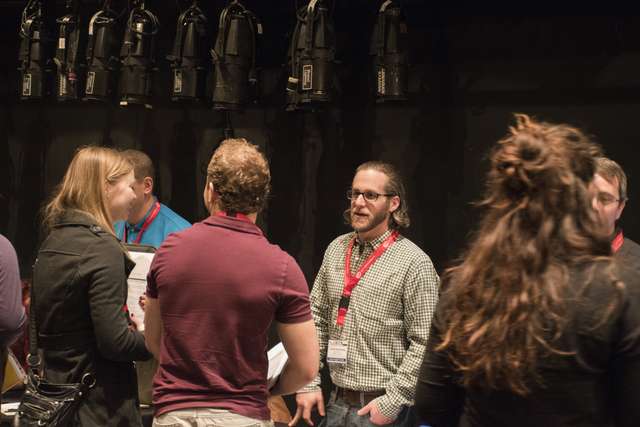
(150, 221)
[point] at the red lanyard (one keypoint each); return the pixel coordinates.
(617, 242)
(243, 217)
(145, 224)
(350, 281)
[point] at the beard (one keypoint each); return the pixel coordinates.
(364, 223)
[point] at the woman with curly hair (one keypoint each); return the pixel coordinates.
(536, 325)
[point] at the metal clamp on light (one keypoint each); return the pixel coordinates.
(137, 56)
(189, 56)
(311, 80)
(234, 57)
(388, 49)
(69, 57)
(36, 67)
(102, 55)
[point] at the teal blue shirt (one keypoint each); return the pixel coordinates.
(165, 223)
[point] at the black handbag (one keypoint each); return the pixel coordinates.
(45, 403)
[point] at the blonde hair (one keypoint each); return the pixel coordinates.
(83, 185)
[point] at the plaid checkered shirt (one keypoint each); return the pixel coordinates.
(387, 324)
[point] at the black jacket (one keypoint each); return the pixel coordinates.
(597, 386)
(80, 287)
(629, 254)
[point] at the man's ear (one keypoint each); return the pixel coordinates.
(148, 185)
(210, 195)
(620, 209)
(394, 204)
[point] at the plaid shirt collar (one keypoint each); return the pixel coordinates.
(373, 245)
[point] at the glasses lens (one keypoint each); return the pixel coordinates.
(370, 196)
(606, 199)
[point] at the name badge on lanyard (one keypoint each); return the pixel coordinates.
(337, 352)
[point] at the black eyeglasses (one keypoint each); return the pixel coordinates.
(369, 196)
(606, 199)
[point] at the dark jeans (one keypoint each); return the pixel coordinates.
(341, 413)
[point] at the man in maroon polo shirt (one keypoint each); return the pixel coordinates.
(213, 291)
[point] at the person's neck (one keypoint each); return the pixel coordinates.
(136, 217)
(371, 235)
(253, 216)
(614, 233)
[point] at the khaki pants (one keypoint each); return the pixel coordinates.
(146, 370)
(207, 417)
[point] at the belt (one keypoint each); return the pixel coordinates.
(355, 397)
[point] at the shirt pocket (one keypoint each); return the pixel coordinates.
(380, 316)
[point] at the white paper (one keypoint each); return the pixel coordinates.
(9, 408)
(138, 285)
(277, 359)
(14, 375)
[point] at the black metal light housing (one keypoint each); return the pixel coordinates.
(70, 58)
(234, 57)
(137, 56)
(102, 55)
(188, 57)
(35, 64)
(311, 81)
(389, 53)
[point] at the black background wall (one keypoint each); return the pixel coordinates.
(470, 70)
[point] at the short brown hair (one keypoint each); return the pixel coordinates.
(240, 175)
(610, 170)
(142, 164)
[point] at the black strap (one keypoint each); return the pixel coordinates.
(33, 358)
(4, 352)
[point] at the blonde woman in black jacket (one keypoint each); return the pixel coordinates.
(80, 287)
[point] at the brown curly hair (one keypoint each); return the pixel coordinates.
(240, 175)
(506, 298)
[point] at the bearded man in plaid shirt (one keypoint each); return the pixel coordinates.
(372, 304)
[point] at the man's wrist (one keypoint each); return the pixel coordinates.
(387, 407)
(311, 388)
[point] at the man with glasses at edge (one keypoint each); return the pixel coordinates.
(610, 182)
(372, 303)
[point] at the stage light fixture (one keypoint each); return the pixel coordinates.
(34, 56)
(102, 54)
(188, 57)
(234, 57)
(388, 49)
(137, 56)
(311, 81)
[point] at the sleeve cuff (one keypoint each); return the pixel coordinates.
(387, 407)
(312, 386)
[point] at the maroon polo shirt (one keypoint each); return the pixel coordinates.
(219, 285)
